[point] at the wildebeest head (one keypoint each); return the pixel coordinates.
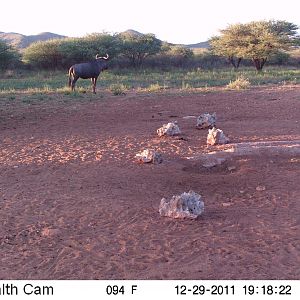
(102, 61)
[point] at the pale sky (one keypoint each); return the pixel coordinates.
(184, 21)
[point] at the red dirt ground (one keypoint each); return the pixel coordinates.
(75, 204)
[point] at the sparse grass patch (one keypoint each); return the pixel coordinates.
(64, 90)
(46, 89)
(241, 83)
(118, 89)
(76, 94)
(156, 87)
(7, 92)
(186, 86)
(82, 90)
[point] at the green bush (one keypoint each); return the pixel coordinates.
(280, 58)
(9, 57)
(62, 53)
(137, 47)
(75, 50)
(44, 54)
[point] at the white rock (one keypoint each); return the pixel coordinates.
(216, 137)
(206, 120)
(231, 168)
(226, 204)
(187, 205)
(149, 156)
(169, 129)
(260, 188)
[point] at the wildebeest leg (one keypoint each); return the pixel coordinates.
(74, 79)
(94, 81)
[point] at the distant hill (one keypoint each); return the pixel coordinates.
(21, 41)
(130, 32)
(199, 45)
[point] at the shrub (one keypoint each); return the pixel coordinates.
(9, 57)
(62, 53)
(118, 89)
(240, 83)
(43, 54)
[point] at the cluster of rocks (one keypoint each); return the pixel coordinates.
(215, 136)
(187, 205)
(205, 121)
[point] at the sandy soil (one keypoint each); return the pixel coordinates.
(75, 204)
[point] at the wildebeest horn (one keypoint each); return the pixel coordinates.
(103, 57)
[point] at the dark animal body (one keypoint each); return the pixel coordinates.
(87, 70)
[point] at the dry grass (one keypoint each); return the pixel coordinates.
(241, 83)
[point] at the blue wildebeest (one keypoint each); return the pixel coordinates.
(87, 70)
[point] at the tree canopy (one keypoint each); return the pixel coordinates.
(136, 47)
(8, 55)
(60, 53)
(257, 41)
(65, 52)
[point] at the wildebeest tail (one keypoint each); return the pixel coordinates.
(70, 76)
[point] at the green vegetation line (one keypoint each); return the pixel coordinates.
(149, 79)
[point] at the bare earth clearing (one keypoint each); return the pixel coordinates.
(74, 204)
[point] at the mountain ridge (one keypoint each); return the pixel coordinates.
(21, 41)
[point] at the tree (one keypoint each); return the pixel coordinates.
(62, 53)
(8, 55)
(44, 54)
(257, 41)
(260, 42)
(286, 30)
(137, 47)
(104, 43)
(180, 55)
(227, 44)
(181, 51)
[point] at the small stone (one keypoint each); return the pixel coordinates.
(295, 160)
(226, 204)
(216, 137)
(231, 168)
(169, 129)
(260, 188)
(149, 156)
(206, 120)
(187, 205)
